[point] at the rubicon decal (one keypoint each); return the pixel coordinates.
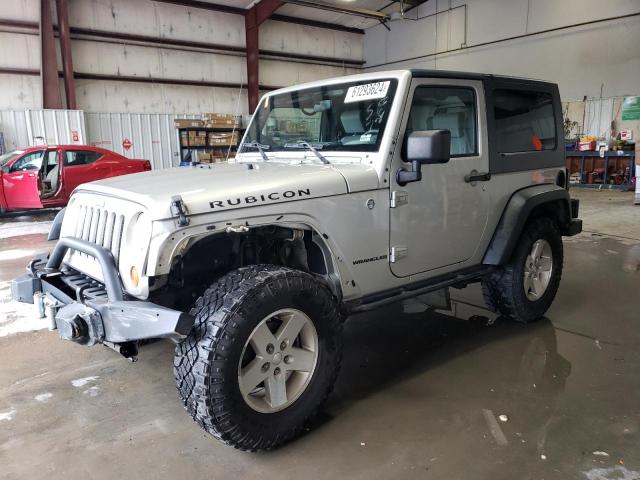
(262, 198)
(372, 259)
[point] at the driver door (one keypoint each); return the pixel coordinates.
(20, 183)
(437, 223)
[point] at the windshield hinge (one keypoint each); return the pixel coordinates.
(179, 210)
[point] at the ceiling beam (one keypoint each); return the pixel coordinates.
(358, 12)
(315, 23)
(215, 7)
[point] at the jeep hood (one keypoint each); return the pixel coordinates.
(228, 186)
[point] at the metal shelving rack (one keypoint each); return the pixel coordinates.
(224, 148)
(593, 158)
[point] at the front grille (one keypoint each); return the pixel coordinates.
(102, 227)
(83, 285)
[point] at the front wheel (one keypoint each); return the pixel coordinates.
(262, 357)
(525, 288)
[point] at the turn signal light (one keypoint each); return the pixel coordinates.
(135, 278)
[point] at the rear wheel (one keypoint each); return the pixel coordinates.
(262, 357)
(525, 288)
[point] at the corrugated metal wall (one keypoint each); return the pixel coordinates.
(22, 128)
(148, 136)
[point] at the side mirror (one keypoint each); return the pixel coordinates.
(423, 147)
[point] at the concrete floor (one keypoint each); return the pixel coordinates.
(420, 395)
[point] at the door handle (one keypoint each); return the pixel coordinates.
(475, 176)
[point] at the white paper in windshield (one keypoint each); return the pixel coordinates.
(369, 91)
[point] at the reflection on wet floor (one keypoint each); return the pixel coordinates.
(421, 394)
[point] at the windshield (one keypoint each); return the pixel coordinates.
(7, 157)
(345, 117)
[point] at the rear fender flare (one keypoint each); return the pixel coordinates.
(516, 214)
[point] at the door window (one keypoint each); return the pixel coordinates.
(73, 158)
(10, 156)
(31, 161)
(524, 120)
(446, 108)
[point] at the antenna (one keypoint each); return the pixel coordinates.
(233, 130)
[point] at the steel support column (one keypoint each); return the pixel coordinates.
(65, 48)
(253, 18)
(49, 69)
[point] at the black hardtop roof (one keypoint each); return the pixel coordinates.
(425, 73)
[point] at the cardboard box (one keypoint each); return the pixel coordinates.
(204, 157)
(187, 123)
(220, 120)
(184, 139)
(223, 139)
(586, 146)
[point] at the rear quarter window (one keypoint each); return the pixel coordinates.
(73, 158)
(524, 121)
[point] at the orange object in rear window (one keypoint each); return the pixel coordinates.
(536, 142)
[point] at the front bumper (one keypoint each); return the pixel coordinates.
(87, 312)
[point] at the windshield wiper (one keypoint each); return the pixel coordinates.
(261, 148)
(308, 146)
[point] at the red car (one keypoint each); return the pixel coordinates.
(45, 176)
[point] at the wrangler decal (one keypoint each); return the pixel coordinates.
(265, 197)
(372, 259)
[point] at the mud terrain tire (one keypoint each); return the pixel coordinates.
(206, 365)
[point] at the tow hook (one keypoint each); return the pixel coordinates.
(47, 308)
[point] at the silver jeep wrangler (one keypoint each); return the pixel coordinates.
(346, 194)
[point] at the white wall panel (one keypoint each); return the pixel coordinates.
(20, 91)
(545, 14)
(117, 97)
(144, 17)
(208, 67)
(306, 40)
(114, 59)
(143, 61)
(19, 51)
(489, 20)
(26, 10)
(277, 73)
(579, 59)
